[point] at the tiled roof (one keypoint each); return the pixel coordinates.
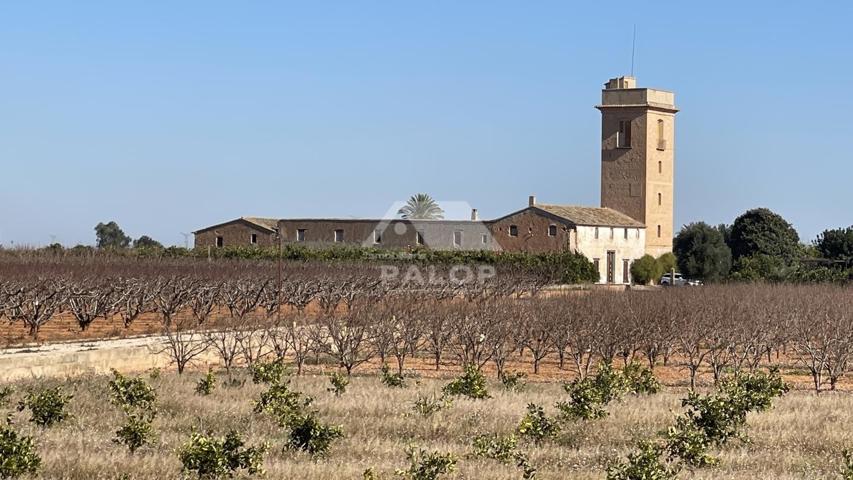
(590, 215)
(268, 223)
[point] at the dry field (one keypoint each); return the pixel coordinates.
(802, 436)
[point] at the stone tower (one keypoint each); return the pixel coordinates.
(637, 155)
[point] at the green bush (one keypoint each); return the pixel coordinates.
(426, 406)
(513, 381)
(47, 406)
(136, 432)
(206, 384)
(18, 455)
(471, 384)
(589, 396)
(640, 380)
(847, 468)
(494, 447)
(689, 443)
(425, 465)
(268, 372)
(282, 403)
(338, 383)
(5, 394)
(645, 270)
(307, 433)
(211, 457)
(129, 393)
(644, 464)
(393, 380)
(536, 425)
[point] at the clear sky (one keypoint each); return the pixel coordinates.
(170, 116)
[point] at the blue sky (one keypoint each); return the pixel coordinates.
(169, 116)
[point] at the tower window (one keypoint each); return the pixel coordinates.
(660, 199)
(661, 140)
(658, 231)
(626, 233)
(611, 233)
(660, 166)
(552, 230)
(513, 230)
(623, 137)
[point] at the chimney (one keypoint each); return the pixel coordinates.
(531, 200)
(474, 215)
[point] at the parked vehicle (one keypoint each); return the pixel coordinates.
(677, 280)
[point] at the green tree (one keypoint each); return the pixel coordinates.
(110, 235)
(421, 207)
(761, 232)
(667, 262)
(836, 244)
(702, 252)
(645, 270)
(146, 242)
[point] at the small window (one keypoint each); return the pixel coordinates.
(637, 230)
(660, 166)
(300, 235)
(626, 268)
(552, 230)
(485, 239)
(220, 242)
(661, 140)
(513, 230)
(623, 137)
(658, 231)
(377, 237)
(419, 238)
(339, 236)
(659, 199)
(611, 233)
(596, 262)
(457, 238)
(253, 239)
(626, 234)
(596, 233)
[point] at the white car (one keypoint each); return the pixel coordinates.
(678, 280)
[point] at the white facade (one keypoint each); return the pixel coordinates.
(612, 249)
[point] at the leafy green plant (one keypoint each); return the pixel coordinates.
(211, 457)
(129, 393)
(495, 447)
(589, 396)
(338, 383)
(536, 425)
(137, 431)
(282, 403)
(689, 443)
(847, 468)
(5, 393)
(18, 455)
(471, 384)
(640, 380)
(424, 465)
(154, 374)
(307, 433)
(206, 384)
(393, 380)
(644, 464)
(513, 381)
(268, 372)
(47, 406)
(426, 406)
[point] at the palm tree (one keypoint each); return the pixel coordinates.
(421, 207)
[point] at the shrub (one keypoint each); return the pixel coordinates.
(639, 379)
(393, 380)
(686, 441)
(425, 465)
(471, 384)
(268, 372)
(426, 406)
(206, 384)
(645, 270)
(210, 457)
(513, 381)
(644, 464)
(129, 393)
(18, 455)
(47, 406)
(339, 383)
(136, 432)
(847, 468)
(536, 425)
(495, 447)
(5, 394)
(307, 433)
(282, 403)
(589, 396)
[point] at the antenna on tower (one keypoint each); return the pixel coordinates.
(633, 48)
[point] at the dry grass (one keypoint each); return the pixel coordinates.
(801, 437)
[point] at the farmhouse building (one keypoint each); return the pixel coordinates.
(635, 216)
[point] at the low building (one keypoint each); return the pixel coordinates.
(610, 239)
(243, 231)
